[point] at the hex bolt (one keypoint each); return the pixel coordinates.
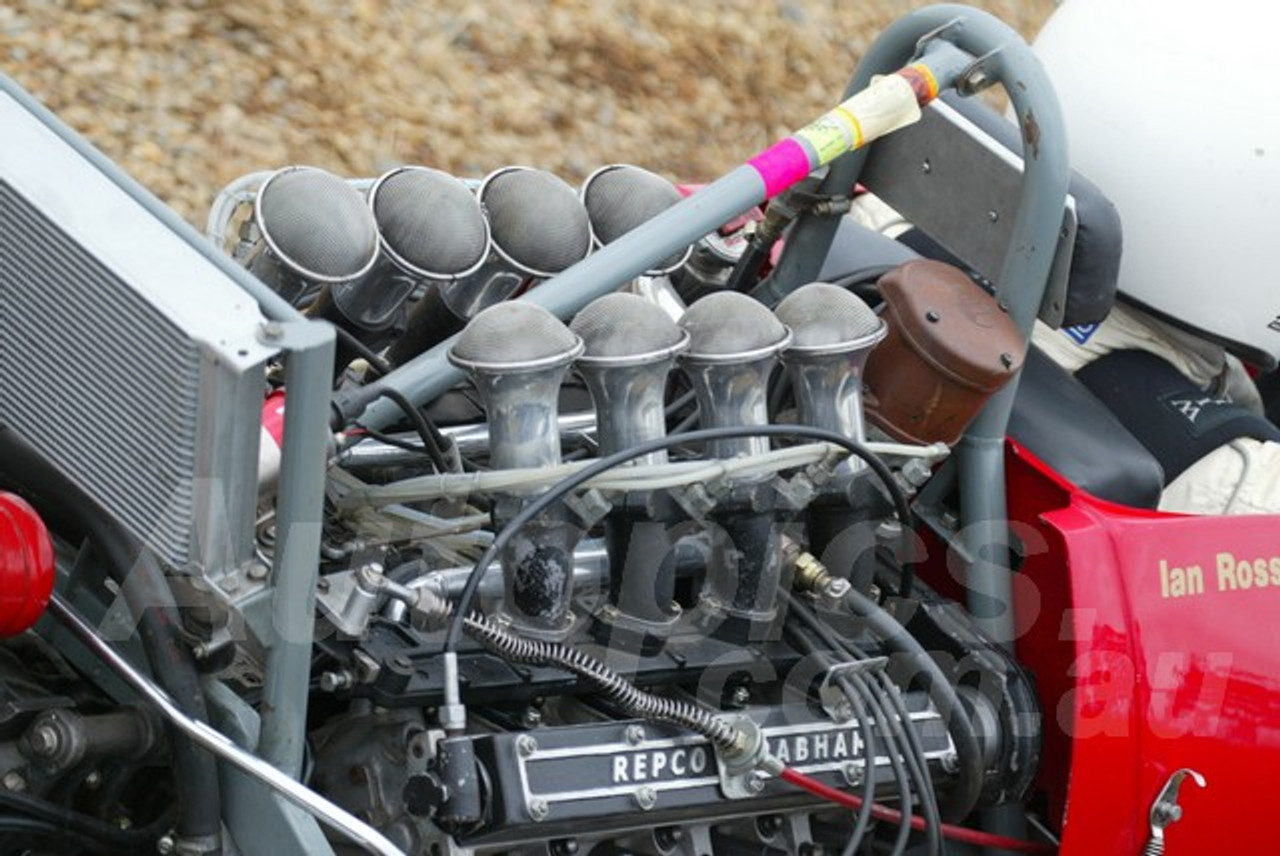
(526, 746)
(646, 798)
(852, 772)
(538, 809)
(755, 782)
(43, 740)
(634, 735)
(950, 762)
(272, 331)
(93, 780)
(165, 845)
(258, 572)
(13, 781)
(332, 682)
(741, 695)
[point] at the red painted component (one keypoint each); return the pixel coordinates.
(1155, 645)
(273, 416)
(26, 565)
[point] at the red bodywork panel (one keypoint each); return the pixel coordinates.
(1155, 642)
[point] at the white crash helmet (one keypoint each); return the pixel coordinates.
(1173, 110)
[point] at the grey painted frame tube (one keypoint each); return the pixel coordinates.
(299, 511)
(1023, 275)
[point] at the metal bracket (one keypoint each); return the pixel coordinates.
(975, 77)
(739, 776)
(834, 701)
(1165, 811)
(933, 35)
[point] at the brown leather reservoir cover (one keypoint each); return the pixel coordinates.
(950, 347)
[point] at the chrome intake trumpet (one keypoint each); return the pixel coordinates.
(734, 344)
(835, 331)
(316, 232)
(517, 354)
(537, 227)
(630, 348)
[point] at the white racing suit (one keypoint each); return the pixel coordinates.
(1239, 477)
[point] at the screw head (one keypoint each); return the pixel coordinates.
(526, 746)
(755, 782)
(634, 735)
(646, 798)
(950, 762)
(741, 695)
(852, 773)
(13, 781)
(272, 331)
(538, 809)
(165, 845)
(257, 572)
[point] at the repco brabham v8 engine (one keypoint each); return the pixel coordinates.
(427, 515)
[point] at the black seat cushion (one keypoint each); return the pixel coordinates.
(1071, 430)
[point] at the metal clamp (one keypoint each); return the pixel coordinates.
(1166, 811)
(834, 701)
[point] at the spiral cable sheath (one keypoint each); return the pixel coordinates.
(631, 699)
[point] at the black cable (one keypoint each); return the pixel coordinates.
(964, 795)
(838, 643)
(433, 442)
(562, 488)
(30, 827)
(863, 818)
(381, 367)
(147, 594)
(856, 686)
(918, 763)
(83, 824)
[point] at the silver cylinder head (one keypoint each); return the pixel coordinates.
(620, 197)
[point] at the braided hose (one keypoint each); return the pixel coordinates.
(633, 700)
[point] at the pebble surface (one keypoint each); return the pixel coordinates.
(189, 94)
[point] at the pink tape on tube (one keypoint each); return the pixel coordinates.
(781, 165)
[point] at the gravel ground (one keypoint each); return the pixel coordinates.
(189, 95)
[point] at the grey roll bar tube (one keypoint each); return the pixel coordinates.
(1004, 58)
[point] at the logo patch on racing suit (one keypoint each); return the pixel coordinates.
(1081, 333)
(1201, 412)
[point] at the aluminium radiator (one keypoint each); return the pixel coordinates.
(129, 354)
